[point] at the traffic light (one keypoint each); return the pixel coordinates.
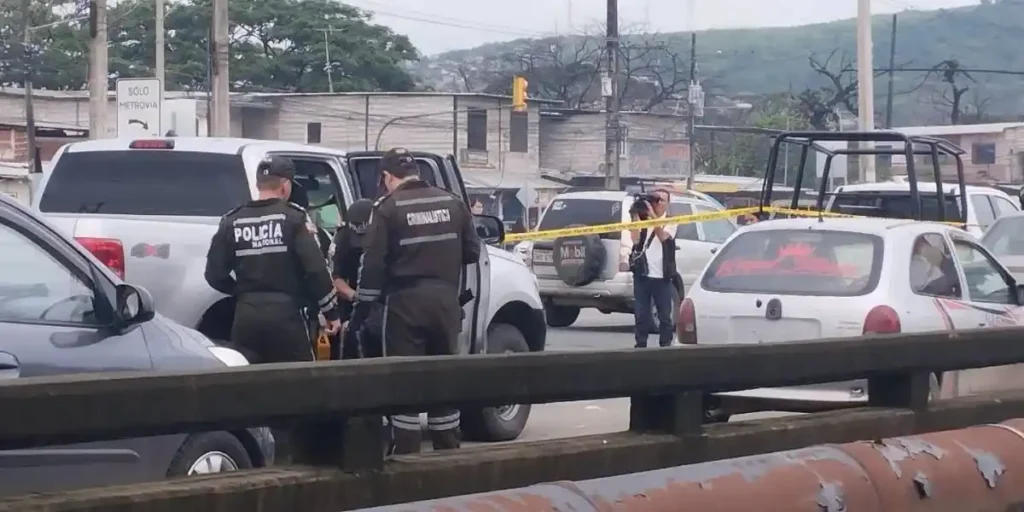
(519, 85)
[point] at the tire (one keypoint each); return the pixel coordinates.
(560, 316)
(220, 446)
(495, 424)
(583, 261)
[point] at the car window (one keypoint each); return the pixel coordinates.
(983, 210)
(932, 271)
(146, 182)
(1005, 237)
(797, 262)
(37, 287)
(985, 281)
(316, 191)
(562, 213)
(1003, 206)
(686, 231)
(718, 230)
(366, 172)
(894, 205)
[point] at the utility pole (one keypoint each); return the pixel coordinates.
(98, 69)
(692, 93)
(27, 55)
(865, 85)
(892, 73)
(160, 47)
(327, 59)
(221, 113)
(610, 89)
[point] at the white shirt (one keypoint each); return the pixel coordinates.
(655, 254)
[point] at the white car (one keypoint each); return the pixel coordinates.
(148, 208)
(802, 279)
(892, 199)
(598, 275)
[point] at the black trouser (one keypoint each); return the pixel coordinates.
(423, 320)
(660, 292)
(271, 328)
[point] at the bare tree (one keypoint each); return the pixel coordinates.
(819, 105)
(568, 69)
(951, 97)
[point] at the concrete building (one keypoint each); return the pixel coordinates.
(497, 149)
(994, 152)
(573, 142)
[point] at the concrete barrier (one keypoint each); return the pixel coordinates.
(977, 469)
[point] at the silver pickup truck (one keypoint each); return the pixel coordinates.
(148, 208)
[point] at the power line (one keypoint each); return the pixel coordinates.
(423, 17)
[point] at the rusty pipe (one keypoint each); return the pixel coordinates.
(977, 469)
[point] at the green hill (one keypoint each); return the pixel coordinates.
(770, 60)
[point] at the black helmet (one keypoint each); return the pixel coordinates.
(358, 215)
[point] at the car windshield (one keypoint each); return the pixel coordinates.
(1006, 237)
(582, 212)
(797, 262)
(146, 182)
(895, 205)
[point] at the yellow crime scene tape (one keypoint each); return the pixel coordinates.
(619, 226)
(682, 219)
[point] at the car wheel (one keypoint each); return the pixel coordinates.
(503, 423)
(208, 453)
(561, 316)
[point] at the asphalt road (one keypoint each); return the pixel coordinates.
(593, 331)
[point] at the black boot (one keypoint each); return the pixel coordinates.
(450, 439)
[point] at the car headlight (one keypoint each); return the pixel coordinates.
(228, 356)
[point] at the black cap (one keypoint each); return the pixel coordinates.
(359, 212)
(278, 166)
(399, 162)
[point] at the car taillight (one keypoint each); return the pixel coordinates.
(686, 323)
(882, 320)
(109, 251)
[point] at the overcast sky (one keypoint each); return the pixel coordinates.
(440, 25)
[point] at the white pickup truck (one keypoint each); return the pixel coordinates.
(148, 208)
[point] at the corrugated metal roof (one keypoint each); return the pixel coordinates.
(496, 180)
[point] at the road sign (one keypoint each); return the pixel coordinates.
(139, 107)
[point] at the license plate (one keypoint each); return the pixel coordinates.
(543, 257)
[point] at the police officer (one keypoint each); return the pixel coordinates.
(347, 258)
(277, 268)
(417, 243)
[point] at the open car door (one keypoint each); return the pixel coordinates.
(442, 172)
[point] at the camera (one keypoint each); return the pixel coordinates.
(642, 205)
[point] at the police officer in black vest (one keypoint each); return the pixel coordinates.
(278, 270)
(417, 243)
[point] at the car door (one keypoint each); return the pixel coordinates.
(990, 292)
(692, 253)
(476, 277)
(364, 170)
(323, 179)
(49, 298)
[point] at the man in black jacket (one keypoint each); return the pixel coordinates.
(277, 270)
(418, 241)
(655, 279)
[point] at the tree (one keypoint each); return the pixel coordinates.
(951, 98)
(276, 46)
(746, 154)
(569, 69)
(818, 105)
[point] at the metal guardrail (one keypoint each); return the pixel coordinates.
(340, 464)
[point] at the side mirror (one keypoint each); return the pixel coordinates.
(133, 305)
(490, 229)
(1020, 294)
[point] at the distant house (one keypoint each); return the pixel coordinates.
(994, 152)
